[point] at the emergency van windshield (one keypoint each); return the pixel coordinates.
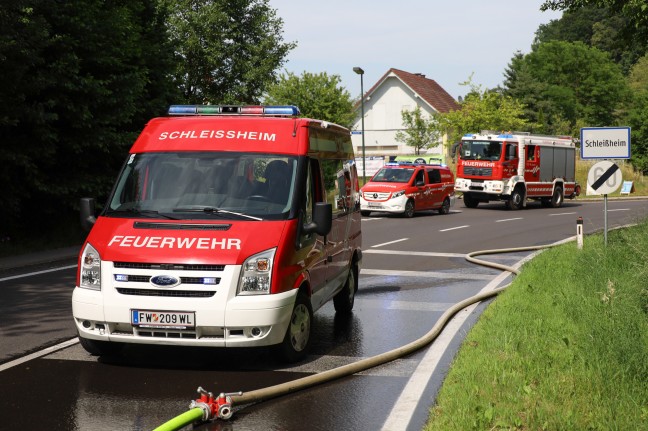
(393, 175)
(205, 185)
(481, 150)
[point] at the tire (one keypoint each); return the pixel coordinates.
(557, 198)
(445, 206)
(516, 201)
(298, 335)
(100, 348)
(344, 299)
(365, 213)
(470, 201)
(409, 209)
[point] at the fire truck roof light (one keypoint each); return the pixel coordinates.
(279, 110)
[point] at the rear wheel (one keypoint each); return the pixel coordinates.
(409, 209)
(297, 339)
(344, 299)
(100, 348)
(445, 207)
(557, 197)
(470, 201)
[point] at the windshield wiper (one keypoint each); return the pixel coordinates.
(212, 210)
(138, 212)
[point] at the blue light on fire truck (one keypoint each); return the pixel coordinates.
(284, 110)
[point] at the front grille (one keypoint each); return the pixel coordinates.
(183, 280)
(169, 266)
(167, 293)
(478, 172)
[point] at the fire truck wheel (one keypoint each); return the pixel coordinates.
(557, 198)
(445, 207)
(409, 209)
(297, 338)
(100, 348)
(365, 213)
(516, 199)
(344, 299)
(470, 201)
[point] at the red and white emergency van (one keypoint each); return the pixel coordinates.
(227, 227)
(516, 167)
(404, 188)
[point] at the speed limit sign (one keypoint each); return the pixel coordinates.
(603, 178)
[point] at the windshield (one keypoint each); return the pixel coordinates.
(481, 150)
(393, 175)
(205, 185)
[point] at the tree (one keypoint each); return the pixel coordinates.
(483, 110)
(78, 80)
(318, 96)
(420, 132)
(558, 82)
(228, 50)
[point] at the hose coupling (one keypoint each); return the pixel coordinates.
(215, 407)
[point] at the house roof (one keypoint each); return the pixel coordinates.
(427, 89)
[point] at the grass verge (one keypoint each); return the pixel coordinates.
(565, 347)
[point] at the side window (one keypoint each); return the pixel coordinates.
(530, 152)
(420, 179)
(435, 176)
(336, 187)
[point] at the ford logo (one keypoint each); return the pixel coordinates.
(164, 281)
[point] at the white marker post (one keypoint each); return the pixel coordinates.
(579, 233)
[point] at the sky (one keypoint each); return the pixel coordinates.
(446, 40)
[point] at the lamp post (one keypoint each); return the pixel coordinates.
(360, 72)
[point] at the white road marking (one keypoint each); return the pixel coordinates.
(509, 219)
(45, 271)
(453, 228)
(620, 209)
(559, 214)
(38, 354)
(390, 242)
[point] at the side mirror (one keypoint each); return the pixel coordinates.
(322, 219)
(87, 210)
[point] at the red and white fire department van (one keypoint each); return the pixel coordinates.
(516, 167)
(404, 188)
(227, 227)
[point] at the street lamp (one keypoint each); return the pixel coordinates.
(360, 72)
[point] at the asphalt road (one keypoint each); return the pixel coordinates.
(413, 270)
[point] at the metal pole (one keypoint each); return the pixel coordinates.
(605, 224)
(360, 72)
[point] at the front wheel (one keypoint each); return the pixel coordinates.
(297, 339)
(516, 200)
(365, 213)
(343, 301)
(409, 209)
(100, 348)
(470, 201)
(557, 198)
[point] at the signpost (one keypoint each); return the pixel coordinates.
(603, 178)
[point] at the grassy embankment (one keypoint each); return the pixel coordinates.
(565, 347)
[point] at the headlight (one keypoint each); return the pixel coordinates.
(256, 274)
(398, 194)
(90, 268)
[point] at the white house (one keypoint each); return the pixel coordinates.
(395, 92)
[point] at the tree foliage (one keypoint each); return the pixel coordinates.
(78, 81)
(567, 86)
(420, 132)
(317, 95)
(483, 110)
(228, 51)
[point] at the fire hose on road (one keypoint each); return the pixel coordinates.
(208, 407)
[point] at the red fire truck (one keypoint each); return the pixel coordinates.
(516, 167)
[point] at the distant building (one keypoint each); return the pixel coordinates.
(397, 91)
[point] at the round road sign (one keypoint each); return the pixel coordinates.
(604, 178)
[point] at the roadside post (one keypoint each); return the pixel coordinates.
(579, 233)
(604, 177)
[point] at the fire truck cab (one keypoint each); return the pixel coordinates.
(227, 227)
(516, 167)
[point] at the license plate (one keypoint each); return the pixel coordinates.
(163, 319)
(374, 205)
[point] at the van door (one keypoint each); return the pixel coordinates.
(435, 187)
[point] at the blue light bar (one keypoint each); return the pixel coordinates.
(278, 110)
(505, 135)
